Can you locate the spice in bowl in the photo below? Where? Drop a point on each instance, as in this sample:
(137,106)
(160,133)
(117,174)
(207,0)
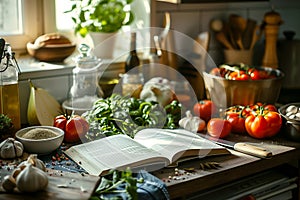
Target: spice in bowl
(39,133)
(40,139)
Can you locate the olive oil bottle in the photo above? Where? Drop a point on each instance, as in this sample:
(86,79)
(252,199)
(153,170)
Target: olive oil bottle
(9,88)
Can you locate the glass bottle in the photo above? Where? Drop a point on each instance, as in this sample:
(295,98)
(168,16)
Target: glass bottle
(9,87)
(133,79)
(85,89)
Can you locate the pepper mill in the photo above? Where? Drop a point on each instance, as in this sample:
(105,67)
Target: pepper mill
(272,21)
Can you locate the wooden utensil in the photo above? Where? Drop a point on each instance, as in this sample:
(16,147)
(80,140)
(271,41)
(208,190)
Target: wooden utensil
(257,33)
(248,34)
(220,36)
(238,25)
(238,22)
(229,33)
(221,30)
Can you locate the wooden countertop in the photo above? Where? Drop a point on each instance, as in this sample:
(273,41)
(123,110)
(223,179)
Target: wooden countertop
(233,167)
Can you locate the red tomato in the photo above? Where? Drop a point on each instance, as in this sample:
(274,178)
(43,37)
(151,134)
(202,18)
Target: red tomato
(240,76)
(256,107)
(219,128)
(201,126)
(264,124)
(60,123)
(204,109)
(74,127)
(254,74)
(270,107)
(237,122)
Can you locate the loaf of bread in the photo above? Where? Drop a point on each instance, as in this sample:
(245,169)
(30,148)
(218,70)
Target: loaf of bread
(51,39)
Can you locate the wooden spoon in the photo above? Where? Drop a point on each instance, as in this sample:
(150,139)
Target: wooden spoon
(238,22)
(238,25)
(249,32)
(220,36)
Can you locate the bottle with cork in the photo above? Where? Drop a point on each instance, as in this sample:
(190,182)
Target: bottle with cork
(133,79)
(9,87)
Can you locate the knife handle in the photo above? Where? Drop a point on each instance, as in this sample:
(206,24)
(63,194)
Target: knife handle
(252,150)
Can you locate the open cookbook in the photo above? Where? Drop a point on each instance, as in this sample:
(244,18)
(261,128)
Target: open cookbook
(150,149)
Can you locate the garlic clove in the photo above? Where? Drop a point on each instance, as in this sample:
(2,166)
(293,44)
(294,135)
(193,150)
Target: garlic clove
(33,160)
(36,162)
(8,183)
(18,148)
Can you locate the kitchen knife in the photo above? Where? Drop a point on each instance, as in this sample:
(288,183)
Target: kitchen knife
(241,147)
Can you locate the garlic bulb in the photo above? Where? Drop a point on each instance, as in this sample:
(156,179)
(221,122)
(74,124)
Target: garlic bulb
(11,148)
(32,159)
(158,89)
(192,123)
(31,179)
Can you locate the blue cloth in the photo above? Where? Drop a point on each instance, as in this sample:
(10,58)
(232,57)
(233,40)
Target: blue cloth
(151,188)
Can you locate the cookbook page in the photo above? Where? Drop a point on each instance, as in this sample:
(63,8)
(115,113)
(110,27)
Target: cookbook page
(177,143)
(113,152)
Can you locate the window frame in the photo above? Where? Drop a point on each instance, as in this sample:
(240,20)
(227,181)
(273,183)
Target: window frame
(32,24)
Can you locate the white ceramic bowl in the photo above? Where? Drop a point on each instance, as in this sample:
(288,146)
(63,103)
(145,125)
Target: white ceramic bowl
(41,146)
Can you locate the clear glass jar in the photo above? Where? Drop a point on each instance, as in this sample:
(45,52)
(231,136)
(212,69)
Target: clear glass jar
(85,89)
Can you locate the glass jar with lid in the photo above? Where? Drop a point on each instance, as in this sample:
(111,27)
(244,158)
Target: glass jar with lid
(85,89)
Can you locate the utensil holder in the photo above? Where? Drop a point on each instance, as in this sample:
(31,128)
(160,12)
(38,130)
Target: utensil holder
(238,56)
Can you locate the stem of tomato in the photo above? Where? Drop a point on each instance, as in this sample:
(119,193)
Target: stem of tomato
(261,110)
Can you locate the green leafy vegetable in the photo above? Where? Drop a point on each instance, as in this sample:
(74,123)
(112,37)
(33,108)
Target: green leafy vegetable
(128,115)
(5,123)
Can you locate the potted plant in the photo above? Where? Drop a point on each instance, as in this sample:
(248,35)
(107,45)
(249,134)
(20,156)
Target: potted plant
(100,17)
(6,127)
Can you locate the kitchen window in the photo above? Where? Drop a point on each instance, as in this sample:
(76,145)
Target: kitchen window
(20,21)
(24,20)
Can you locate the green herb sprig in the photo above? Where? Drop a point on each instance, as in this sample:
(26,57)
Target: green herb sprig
(110,185)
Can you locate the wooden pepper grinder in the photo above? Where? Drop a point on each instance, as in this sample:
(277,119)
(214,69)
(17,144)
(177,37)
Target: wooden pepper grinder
(272,21)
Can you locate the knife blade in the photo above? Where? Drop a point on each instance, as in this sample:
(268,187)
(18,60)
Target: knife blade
(241,147)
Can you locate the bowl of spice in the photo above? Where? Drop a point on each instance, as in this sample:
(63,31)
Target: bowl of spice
(40,139)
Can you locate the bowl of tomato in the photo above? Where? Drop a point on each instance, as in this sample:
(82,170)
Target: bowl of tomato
(230,85)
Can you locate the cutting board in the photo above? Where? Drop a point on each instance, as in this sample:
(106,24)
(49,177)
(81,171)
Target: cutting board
(62,185)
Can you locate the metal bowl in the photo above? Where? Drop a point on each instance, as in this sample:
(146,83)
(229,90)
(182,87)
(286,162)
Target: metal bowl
(291,127)
(225,93)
